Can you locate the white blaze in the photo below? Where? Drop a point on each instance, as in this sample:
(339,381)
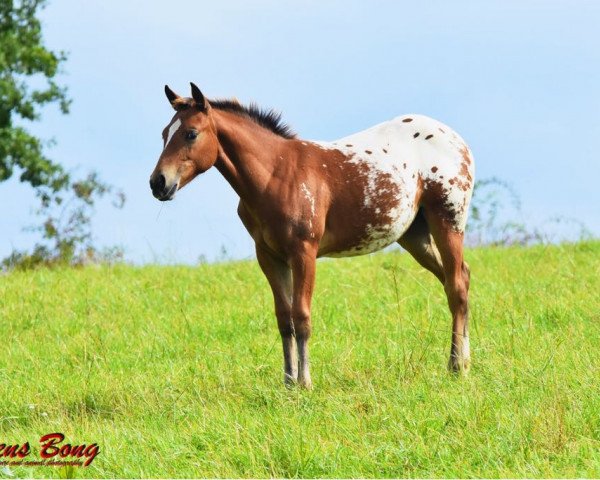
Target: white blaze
(172,129)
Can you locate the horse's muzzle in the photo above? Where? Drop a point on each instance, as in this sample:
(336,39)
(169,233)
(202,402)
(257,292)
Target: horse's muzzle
(160,189)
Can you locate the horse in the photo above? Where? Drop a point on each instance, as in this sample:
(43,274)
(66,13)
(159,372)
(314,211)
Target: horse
(408,180)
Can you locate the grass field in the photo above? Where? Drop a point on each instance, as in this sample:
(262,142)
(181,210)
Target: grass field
(176,371)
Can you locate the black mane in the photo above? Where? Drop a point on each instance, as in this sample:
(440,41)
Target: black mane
(265,117)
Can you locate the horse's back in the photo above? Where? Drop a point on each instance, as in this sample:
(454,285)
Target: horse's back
(426,157)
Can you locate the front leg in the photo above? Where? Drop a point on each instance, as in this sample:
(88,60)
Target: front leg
(279,275)
(303,264)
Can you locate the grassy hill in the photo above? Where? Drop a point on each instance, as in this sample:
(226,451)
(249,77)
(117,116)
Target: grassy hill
(176,371)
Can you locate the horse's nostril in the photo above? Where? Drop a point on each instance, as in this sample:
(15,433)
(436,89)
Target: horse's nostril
(157,184)
(161,182)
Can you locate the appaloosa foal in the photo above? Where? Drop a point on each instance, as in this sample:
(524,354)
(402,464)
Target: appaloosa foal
(408,180)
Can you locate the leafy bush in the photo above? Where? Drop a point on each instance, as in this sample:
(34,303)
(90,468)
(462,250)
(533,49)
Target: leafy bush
(66,227)
(496,219)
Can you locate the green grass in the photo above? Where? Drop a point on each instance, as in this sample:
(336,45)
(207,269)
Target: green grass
(176,371)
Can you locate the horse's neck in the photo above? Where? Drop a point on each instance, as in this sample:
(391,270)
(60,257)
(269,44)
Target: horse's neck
(247,154)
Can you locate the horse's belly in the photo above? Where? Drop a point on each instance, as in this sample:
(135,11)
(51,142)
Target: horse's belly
(375,239)
(375,206)
(370,229)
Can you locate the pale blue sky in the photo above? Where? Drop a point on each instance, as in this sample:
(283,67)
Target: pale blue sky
(520,81)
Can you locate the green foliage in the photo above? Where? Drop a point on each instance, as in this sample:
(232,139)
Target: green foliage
(177,371)
(25,60)
(495,218)
(66,204)
(66,228)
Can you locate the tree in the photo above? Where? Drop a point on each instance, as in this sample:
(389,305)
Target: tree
(23,57)
(66,204)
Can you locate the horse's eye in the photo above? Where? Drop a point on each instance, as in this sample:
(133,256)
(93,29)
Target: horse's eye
(191,135)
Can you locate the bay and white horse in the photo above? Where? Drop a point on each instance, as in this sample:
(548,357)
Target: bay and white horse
(408,180)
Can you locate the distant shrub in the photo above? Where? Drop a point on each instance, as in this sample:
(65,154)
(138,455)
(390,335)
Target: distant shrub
(66,228)
(496,219)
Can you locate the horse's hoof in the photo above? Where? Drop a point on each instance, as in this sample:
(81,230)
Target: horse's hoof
(289,381)
(459,366)
(305,383)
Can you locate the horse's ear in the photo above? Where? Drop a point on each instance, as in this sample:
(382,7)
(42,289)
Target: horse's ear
(198,97)
(171,95)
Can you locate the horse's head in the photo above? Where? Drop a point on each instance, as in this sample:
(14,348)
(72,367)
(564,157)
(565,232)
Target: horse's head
(190,144)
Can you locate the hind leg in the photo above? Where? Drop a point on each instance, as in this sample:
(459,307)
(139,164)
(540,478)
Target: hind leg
(417,241)
(456,284)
